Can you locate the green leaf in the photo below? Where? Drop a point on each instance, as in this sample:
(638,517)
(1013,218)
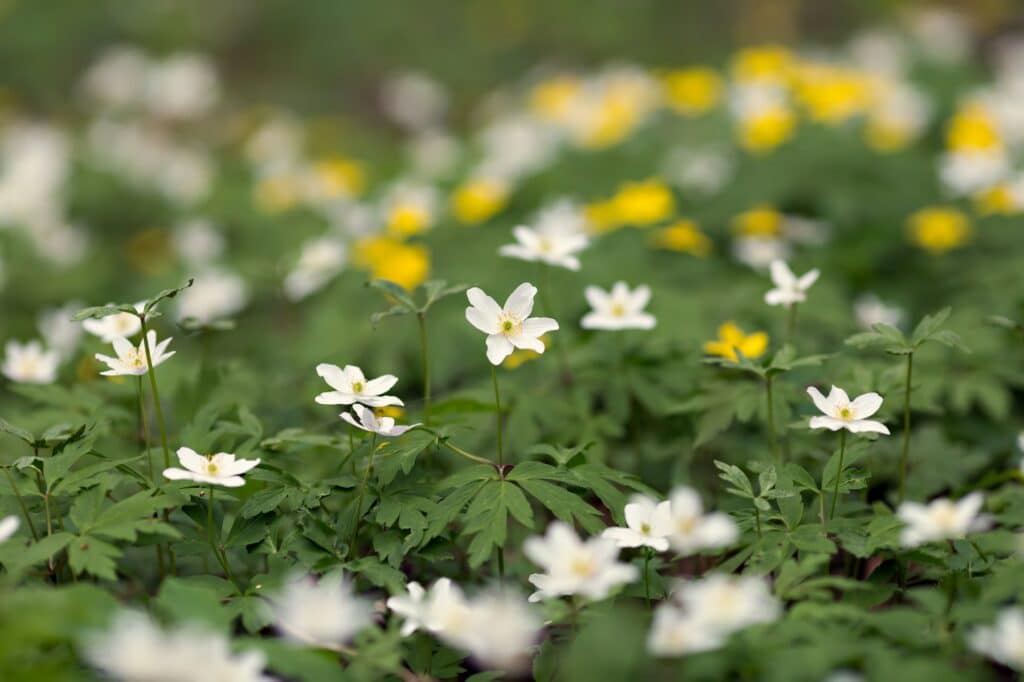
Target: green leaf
(7,427)
(734,476)
(88,554)
(394,291)
(166,293)
(565,505)
(928,326)
(436,289)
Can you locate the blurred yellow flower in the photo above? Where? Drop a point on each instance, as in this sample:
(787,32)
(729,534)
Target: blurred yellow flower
(602,216)
(474,201)
(973,129)
(997,200)
(763,63)
(832,94)
(643,203)
(521,355)
(405,220)
(761,221)
(884,135)
(939,229)
(393,411)
(683,236)
(407,265)
(277,193)
(692,91)
(339,177)
(731,338)
(552,99)
(615,118)
(766,129)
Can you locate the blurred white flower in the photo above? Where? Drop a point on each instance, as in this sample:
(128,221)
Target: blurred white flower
(968,171)
(214,295)
(412,606)
(320,261)
(409,207)
(880,51)
(8,527)
(277,142)
(182,86)
(500,631)
(1002,641)
(434,153)
(414,100)
(842,413)
(321,613)
(648,524)
(351,386)
(35,160)
(704,171)
(198,242)
(941,519)
(443,607)
(219,469)
(675,632)
(57,241)
(30,363)
(511,326)
(59,330)
(759,252)
(117,79)
(789,289)
(132,360)
(728,603)
(869,310)
(557,238)
(116,326)
(691,530)
(942,34)
(385,426)
(571,566)
(618,308)
(515,146)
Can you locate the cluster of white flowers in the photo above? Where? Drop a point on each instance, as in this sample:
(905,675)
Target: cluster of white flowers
(678,522)
(351,388)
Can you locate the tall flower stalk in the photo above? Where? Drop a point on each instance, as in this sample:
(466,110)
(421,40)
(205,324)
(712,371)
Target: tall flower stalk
(905,453)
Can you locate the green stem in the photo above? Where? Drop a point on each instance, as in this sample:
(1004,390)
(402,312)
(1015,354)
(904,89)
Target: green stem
(757,521)
(839,472)
(144,431)
(468,455)
(497,413)
(21,503)
(768,383)
(156,394)
(647,580)
(905,455)
(222,558)
(421,318)
(501,563)
(791,323)
(362,492)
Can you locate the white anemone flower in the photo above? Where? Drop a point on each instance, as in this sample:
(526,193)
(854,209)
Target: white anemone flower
(324,613)
(691,530)
(502,628)
(511,326)
(648,524)
(618,308)
(870,310)
(131,360)
(320,261)
(351,386)
(213,296)
(842,413)
(118,325)
(368,421)
(30,363)
(1003,641)
(412,606)
(559,235)
(789,289)
(675,632)
(219,469)
(8,527)
(589,568)
(728,603)
(59,330)
(941,519)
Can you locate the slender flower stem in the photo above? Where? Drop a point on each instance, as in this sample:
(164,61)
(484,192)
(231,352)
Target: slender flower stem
(791,323)
(362,492)
(421,318)
(468,455)
(144,431)
(156,394)
(757,521)
(21,503)
(839,472)
(771,419)
(501,563)
(497,413)
(647,580)
(222,558)
(904,456)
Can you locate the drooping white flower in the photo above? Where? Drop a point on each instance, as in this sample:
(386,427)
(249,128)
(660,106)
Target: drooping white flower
(59,330)
(619,308)
(30,363)
(320,261)
(321,613)
(214,295)
(116,326)
(135,649)
(869,310)
(8,527)
(511,326)
(385,426)
(501,629)
(941,519)
(648,524)
(1004,640)
(219,469)
(131,360)
(675,632)
(691,530)
(559,235)
(351,386)
(789,288)
(728,603)
(589,568)
(842,413)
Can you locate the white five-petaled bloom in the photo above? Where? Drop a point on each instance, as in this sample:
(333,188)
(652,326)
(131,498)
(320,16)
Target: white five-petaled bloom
(368,421)
(440,608)
(727,603)
(691,530)
(131,360)
(30,363)
(675,632)
(648,523)
(511,326)
(351,386)
(322,613)
(219,469)
(789,288)
(572,566)
(135,649)
(1003,641)
(118,325)
(618,308)
(8,527)
(941,519)
(842,413)
(559,235)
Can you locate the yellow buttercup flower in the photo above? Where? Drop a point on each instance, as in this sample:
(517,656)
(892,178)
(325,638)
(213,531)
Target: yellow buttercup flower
(939,229)
(339,177)
(997,200)
(475,201)
(766,129)
(692,91)
(553,98)
(973,129)
(683,236)
(731,338)
(614,119)
(405,220)
(760,221)
(643,203)
(832,94)
(763,63)
(149,251)
(407,265)
(602,216)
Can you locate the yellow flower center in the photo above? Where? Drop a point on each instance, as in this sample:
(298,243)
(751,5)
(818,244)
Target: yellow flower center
(510,325)
(645,528)
(686,525)
(845,413)
(583,567)
(211,468)
(357,387)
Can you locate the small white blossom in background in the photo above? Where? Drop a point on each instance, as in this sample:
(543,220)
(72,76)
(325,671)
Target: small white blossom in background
(511,326)
(558,236)
(515,146)
(648,524)
(321,613)
(691,530)
(942,519)
(181,86)
(131,360)
(351,386)
(385,426)
(441,607)
(414,100)
(135,649)
(8,527)
(869,310)
(219,469)
(700,170)
(759,252)
(500,631)
(572,566)
(675,632)
(117,78)
(942,35)
(116,326)
(842,413)
(198,243)
(320,261)
(213,296)
(1002,641)
(433,153)
(789,289)
(966,171)
(30,363)
(618,308)
(59,330)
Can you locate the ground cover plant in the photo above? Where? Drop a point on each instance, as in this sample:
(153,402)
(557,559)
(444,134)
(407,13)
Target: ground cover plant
(711,371)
